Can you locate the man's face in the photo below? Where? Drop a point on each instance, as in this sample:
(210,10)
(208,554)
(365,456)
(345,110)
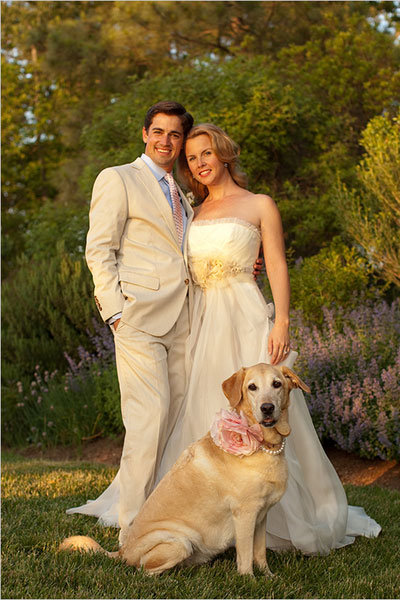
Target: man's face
(164,140)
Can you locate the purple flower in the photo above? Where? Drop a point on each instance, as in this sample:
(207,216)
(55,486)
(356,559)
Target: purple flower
(352,364)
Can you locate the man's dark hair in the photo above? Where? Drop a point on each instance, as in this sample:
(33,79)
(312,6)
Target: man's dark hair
(169,108)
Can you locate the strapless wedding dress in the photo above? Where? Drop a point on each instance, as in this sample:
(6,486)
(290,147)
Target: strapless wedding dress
(230,328)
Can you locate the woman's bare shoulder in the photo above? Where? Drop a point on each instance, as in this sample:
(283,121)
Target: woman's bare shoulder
(266,206)
(265,200)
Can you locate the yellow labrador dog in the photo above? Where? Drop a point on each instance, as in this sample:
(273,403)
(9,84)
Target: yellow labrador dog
(214,497)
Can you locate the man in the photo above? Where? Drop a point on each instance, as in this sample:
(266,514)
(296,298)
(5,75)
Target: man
(136,251)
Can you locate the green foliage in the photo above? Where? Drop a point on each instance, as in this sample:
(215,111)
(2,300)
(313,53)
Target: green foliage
(49,309)
(31,151)
(105,394)
(31,416)
(55,225)
(295,130)
(337,275)
(372,212)
(270,122)
(309,221)
(321,71)
(50,409)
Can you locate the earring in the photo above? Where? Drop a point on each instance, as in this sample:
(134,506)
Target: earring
(226,165)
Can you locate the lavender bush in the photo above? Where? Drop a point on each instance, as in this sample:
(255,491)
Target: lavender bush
(352,364)
(66,408)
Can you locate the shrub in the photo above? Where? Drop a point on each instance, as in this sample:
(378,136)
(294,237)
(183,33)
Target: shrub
(352,364)
(99,372)
(371,214)
(49,309)
(46,411)
(66,409)
(54,225)
(337,275)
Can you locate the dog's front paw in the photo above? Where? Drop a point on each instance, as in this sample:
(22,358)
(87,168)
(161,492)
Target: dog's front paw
(269,574)
(245,569)
(247,573)
(265,569)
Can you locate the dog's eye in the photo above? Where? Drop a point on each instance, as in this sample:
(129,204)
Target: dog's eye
(277,384)
(252,387)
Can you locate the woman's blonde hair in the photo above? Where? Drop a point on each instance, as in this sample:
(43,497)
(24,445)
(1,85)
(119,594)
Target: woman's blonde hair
(227,152)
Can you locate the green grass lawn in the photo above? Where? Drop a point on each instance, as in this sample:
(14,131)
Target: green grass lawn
(36,493)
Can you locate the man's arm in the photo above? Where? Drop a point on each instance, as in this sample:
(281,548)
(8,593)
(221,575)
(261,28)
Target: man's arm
(107,219)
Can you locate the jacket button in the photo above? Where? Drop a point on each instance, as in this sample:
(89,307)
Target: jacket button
(187,281)
(97,303)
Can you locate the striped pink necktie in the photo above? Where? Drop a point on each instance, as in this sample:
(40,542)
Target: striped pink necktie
(176,206)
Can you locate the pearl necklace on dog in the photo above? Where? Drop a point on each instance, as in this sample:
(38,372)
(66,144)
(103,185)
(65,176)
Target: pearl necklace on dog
(274,452)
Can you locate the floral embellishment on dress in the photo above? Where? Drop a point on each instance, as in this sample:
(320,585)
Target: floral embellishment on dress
(208,271)
(231,432)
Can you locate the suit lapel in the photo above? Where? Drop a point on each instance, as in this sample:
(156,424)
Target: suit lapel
(189,214)
(158,195)
(155,191)
(186,204)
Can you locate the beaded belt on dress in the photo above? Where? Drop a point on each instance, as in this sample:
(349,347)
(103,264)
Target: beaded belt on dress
(213,271)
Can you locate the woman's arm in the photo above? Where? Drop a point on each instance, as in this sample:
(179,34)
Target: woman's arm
(278,275)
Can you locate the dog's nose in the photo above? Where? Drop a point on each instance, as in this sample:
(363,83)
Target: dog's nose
(267,409)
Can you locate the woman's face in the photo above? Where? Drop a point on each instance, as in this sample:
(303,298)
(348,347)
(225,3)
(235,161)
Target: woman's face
(204,164)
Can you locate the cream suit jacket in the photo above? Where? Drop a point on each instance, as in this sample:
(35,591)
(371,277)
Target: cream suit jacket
(133,251)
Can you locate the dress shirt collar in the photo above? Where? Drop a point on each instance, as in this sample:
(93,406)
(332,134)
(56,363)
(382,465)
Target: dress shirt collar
(157,171)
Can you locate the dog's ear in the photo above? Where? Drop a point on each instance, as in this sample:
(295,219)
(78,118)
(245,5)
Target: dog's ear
(282,425)
(294,380)
(232,387)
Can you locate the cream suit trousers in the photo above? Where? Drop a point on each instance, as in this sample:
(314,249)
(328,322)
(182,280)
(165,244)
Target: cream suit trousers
(152,379)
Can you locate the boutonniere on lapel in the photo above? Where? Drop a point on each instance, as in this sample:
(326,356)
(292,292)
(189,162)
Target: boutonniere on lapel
(190,198)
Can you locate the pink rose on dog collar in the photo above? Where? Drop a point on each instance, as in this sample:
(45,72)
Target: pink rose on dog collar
(231,433)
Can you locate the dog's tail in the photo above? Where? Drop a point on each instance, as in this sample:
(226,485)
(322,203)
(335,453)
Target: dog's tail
(82,543)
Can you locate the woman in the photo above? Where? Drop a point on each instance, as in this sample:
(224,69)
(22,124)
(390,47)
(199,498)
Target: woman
(233,327)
